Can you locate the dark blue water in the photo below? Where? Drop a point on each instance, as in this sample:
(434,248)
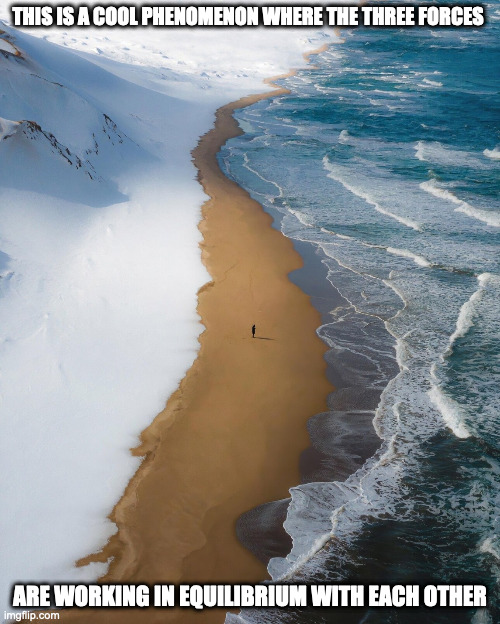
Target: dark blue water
(386,159)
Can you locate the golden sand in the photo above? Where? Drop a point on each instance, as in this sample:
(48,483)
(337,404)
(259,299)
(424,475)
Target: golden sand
(230,437)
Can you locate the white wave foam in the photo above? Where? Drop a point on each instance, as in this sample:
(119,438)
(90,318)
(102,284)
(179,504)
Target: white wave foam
(467,312)
(247,166)
(481,616)
(344,136)
(432,83)
(453,415)
(404,253)
(309,521)
(303,218)
(431,187)
(490,218)
(419,148)
(489,279)
(491,546)
(494,153)
(436,152)
(481,215)
(368,199)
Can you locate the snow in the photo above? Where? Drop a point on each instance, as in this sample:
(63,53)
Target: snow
(7,128)
(100,261)
(5,46)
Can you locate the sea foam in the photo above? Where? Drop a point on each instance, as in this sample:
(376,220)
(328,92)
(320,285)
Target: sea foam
(334,175)
(467,312)
(494,153)
(490,218)
(453,415)
(404,253)
(436,152)
(431,83)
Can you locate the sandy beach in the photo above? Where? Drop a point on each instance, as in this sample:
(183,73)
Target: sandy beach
(230,437)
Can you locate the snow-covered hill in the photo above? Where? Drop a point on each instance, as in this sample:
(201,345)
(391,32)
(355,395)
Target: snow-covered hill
(45,165)
(99,263)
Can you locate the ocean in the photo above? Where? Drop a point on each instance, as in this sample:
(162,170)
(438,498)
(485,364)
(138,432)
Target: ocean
(383,162)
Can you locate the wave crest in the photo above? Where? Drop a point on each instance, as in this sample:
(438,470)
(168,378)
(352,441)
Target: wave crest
(494,153)
(490,218)
(334,175)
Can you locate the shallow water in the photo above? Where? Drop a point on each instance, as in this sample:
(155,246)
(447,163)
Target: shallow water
(385,158)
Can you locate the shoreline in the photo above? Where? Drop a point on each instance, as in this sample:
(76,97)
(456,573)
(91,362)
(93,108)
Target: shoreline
(231,436)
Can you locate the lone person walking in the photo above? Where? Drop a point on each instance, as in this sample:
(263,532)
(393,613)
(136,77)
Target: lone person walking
(253,331)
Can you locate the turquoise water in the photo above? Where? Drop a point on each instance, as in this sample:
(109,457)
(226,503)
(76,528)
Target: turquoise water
(386,159)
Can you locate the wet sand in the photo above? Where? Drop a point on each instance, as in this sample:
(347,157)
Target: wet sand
(230,438)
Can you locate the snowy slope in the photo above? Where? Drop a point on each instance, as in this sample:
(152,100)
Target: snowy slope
(99,262)
(46,166)
(88,325)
